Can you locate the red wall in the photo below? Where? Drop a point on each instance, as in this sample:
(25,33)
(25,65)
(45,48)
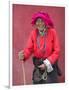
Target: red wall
(22,27)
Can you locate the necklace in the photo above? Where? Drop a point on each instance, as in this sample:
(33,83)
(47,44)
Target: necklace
(38,41)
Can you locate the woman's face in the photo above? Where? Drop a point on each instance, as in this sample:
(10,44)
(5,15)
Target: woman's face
(40,24)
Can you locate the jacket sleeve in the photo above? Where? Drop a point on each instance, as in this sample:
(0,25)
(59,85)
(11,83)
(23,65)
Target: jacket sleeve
(29,49)
(56,49)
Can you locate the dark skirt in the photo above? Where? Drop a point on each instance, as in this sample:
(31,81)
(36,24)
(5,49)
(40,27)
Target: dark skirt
(51,78)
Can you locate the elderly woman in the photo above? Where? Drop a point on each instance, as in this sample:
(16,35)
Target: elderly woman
(43,43)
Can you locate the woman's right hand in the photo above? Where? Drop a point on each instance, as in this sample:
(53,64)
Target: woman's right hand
(21,55)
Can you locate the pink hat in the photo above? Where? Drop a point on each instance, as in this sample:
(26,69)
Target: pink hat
(43,16)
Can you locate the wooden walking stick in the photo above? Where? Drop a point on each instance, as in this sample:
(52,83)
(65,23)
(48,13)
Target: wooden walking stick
(23,71)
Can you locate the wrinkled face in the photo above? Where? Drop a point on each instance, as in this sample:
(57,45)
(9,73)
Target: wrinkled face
(40,24)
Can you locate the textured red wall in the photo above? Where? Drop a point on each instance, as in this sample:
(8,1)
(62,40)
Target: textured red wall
(22,27)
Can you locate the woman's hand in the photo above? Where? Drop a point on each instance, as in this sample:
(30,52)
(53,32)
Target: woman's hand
(42,66)
(21,55)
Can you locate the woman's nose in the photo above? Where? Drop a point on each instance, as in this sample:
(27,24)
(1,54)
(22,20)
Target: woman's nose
(40,23)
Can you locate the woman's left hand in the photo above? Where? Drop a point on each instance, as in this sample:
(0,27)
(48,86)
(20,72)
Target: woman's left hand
(42,66)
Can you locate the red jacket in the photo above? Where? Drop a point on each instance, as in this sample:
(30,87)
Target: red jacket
(51,52)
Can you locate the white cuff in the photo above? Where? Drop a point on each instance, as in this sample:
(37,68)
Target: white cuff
(48,65)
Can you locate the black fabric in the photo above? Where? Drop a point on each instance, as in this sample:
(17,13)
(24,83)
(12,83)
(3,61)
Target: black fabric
(51,77)
(37,62)
(38,74)
(59,73)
